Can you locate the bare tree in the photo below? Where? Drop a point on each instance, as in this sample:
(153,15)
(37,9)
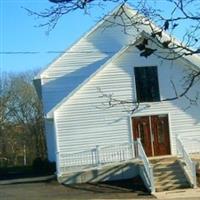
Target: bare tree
(181,14)
(21,118)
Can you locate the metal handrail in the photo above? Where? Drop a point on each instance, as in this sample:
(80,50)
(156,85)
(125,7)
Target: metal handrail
(190,165)
(147,166)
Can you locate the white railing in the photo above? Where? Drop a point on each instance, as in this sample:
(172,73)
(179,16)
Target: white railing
(146,170)
(98,156)
(116,153)
(189,164)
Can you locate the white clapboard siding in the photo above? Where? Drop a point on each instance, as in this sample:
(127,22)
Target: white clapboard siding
(79,62)
(87,121)
(82,123)
(69,70)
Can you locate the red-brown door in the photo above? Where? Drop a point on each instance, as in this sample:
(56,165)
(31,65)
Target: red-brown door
(154,134)
(141,129)
(160,132)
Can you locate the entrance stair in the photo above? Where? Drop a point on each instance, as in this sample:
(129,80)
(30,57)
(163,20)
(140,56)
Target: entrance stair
(168,174)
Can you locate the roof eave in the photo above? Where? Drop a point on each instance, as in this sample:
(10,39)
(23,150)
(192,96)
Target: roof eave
(185,58)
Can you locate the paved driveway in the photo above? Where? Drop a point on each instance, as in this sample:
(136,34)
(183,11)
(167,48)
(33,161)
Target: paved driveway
(117,190)
(54,191)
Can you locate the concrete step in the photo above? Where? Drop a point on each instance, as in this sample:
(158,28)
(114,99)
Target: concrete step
(172,187)
(162,181)
(155,162)
(164,162)
(168,173)
(165,159)
(171,182)
(163,168)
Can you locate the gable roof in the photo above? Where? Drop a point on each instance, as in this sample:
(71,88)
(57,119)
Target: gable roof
(113,58)
(85,35)
(193,60)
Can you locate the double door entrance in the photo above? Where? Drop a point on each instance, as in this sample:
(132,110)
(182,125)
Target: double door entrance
(154,134)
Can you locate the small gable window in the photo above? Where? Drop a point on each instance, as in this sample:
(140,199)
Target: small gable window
(147,88)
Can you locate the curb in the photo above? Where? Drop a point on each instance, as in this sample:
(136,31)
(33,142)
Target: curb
(179,194)
(28,180)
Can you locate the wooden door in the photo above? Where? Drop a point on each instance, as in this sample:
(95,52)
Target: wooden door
(154,134)
(160,133)
(141,129)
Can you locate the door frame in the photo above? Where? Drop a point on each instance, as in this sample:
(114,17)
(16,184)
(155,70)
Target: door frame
(152,114)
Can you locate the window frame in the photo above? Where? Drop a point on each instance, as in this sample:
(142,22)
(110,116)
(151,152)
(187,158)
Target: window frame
(158,85)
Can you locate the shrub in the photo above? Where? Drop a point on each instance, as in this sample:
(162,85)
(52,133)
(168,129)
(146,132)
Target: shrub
(43,166)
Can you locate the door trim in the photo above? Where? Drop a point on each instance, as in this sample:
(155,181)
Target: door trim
(151,135)
(152,114)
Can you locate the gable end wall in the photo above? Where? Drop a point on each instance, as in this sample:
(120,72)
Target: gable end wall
(82,123)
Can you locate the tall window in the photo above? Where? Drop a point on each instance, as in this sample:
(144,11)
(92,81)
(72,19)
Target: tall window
(147,87)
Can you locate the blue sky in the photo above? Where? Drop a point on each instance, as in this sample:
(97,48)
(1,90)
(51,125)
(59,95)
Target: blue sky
(19,34)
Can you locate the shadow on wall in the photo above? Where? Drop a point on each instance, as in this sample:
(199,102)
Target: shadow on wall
(64,85)
(102,42)
(109,173)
